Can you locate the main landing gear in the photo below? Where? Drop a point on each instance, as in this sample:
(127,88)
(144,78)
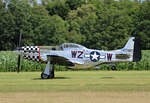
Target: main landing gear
(49,71)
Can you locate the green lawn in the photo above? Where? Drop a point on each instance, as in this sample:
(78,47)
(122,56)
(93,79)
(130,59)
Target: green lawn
(76,87)
(76,81)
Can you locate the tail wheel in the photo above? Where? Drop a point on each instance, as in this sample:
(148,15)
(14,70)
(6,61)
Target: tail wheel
(113,68)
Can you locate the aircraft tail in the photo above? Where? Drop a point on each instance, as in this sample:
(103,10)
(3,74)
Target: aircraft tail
(133,45)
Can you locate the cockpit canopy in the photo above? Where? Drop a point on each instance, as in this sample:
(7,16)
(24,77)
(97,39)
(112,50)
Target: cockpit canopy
(70,45)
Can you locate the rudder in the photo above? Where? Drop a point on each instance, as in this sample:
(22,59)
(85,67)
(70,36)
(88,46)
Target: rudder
(137,55)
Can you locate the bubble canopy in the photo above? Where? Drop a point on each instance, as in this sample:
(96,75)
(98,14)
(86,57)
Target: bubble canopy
(70,45)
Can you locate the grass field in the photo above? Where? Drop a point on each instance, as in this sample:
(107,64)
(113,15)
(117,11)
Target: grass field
(76,87)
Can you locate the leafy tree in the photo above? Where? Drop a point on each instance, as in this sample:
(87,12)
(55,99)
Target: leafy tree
(39,13)
(21,14)
(74,4)
(115,27)
(100,24)
(57,8)
(82,21)
(7,33)
(141,20)
(51,31)
(143,31)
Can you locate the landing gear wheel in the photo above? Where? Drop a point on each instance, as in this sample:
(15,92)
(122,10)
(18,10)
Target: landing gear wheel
(113,68)
(45,76)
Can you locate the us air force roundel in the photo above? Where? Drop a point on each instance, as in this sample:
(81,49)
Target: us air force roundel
(94,56)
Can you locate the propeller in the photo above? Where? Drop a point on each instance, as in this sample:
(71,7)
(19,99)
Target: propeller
(19,55)
(19,62)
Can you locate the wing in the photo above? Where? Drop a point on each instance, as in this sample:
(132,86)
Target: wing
(60,60)
(59,57)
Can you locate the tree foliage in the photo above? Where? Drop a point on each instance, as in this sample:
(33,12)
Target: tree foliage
(98,24)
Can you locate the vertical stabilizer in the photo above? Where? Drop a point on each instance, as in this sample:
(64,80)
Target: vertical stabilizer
(133,45)
(130,44)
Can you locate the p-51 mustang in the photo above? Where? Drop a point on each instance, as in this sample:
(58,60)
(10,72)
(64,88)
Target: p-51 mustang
(76,56)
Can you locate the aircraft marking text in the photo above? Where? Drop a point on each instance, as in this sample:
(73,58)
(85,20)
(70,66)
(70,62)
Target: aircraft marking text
(77,54)
(109,57)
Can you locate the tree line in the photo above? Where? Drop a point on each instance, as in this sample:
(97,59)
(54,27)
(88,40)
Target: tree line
(98,24)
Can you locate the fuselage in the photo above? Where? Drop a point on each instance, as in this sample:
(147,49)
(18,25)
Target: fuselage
(80,56)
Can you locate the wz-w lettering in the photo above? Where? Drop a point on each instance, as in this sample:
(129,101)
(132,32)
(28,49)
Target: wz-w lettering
(109,57)
(77,54)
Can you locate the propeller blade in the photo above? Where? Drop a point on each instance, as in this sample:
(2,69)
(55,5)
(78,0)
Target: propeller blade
(19,62)
(20,40)
(19,56)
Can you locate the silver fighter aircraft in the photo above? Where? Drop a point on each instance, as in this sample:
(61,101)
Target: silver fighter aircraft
(76,56)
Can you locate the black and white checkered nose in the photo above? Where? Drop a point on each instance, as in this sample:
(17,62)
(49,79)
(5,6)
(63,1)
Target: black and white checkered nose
(30,49)
(31,52)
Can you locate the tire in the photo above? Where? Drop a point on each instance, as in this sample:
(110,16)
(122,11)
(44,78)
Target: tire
(113,68)
(44,76)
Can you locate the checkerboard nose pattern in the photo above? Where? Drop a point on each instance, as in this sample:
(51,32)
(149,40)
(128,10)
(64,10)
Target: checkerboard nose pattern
(31,52)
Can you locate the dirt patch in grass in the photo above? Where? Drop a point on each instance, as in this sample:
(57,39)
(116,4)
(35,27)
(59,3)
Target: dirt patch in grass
(75,97)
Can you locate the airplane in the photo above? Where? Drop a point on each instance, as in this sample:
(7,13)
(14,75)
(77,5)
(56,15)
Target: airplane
(75,56)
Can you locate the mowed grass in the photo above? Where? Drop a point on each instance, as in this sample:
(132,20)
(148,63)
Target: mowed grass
(76,81)
(76,87)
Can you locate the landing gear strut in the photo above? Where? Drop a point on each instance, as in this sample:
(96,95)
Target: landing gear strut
(51,74)
(49,71)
